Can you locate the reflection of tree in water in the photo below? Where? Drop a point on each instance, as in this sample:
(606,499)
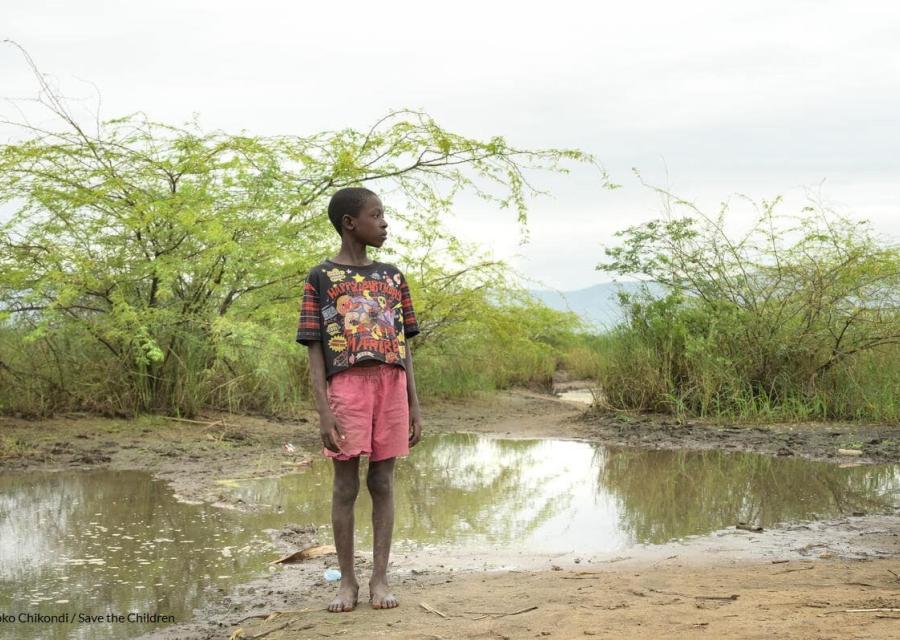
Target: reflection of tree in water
(130,523)
(668,494)
(477,487)
(452,488)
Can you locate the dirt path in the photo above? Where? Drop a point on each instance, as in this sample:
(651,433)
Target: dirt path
(676,601)
(723,587)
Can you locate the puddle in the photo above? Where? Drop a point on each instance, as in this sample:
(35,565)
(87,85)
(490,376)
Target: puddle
(546,496)
(104,541)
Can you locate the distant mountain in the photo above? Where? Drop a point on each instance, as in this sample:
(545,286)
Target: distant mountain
(598,305)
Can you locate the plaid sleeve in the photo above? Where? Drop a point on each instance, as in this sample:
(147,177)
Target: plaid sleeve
(410,326)
(308,328)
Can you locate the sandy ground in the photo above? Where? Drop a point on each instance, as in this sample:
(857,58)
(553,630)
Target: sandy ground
(800,582)
(728,600)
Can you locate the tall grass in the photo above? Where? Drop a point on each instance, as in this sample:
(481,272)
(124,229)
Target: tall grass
(581,355)
(694,376)
(798,318)
(260,369)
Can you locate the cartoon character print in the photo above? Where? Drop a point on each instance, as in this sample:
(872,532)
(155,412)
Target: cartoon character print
(366,315)
(362,312)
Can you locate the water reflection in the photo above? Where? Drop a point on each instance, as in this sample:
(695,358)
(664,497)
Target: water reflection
(113,542)
(661,495)
(555,495)
(104,541)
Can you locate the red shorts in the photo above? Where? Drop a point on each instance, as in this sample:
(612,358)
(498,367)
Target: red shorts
(372,407)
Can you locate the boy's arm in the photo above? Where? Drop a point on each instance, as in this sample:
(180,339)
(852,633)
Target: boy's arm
(329,429)
(415,420)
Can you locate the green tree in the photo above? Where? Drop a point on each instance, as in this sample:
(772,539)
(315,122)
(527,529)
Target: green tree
(790,315)
(154,267)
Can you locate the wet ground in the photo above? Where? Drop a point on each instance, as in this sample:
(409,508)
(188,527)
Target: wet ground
(506,522)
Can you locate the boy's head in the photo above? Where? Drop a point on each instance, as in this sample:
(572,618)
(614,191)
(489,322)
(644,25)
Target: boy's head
(358,211)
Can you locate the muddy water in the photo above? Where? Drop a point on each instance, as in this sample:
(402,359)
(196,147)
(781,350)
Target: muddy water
(107,542)
(118,542)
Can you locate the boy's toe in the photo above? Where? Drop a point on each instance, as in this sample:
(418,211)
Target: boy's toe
(339,605)
(389,602)
(345,600)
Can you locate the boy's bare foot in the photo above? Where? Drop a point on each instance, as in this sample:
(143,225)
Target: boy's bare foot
(346,598)
(381,597)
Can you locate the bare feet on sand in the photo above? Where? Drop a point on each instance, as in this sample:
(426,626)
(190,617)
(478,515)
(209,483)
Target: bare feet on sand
(381,597)
(346,598)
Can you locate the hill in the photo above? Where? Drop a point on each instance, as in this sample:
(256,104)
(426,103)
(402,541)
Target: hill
(597,305)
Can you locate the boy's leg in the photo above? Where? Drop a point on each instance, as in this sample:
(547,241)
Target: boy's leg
(380,481)
(343,498)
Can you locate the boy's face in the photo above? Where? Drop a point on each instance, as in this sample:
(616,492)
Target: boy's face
(369,226)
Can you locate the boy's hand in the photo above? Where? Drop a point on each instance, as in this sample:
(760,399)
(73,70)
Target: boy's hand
(415,427)
(331,432)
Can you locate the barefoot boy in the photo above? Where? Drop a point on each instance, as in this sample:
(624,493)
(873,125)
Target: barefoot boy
(356,317)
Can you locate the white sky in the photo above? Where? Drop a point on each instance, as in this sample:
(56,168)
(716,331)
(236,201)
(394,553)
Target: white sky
(703,97)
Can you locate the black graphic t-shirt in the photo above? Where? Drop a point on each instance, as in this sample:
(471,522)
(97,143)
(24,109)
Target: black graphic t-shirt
(358,313)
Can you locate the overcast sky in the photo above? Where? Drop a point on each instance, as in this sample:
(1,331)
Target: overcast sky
(706,98)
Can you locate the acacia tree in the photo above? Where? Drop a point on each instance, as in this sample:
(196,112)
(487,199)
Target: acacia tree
(766,314)
(141,257)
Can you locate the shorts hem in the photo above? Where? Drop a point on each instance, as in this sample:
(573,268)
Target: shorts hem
(343,456)
(396,455)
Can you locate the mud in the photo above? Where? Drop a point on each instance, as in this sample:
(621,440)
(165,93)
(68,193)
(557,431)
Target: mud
(792,582)
(798,582)
(194,456)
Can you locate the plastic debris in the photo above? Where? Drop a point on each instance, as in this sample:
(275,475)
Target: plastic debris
(332,575)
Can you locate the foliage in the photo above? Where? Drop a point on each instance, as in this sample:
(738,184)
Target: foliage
(154,267)
(788,320)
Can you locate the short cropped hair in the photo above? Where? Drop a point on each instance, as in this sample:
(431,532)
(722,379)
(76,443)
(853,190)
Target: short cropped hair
(347,202)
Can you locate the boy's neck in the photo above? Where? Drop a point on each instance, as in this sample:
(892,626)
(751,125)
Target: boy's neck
(352,253)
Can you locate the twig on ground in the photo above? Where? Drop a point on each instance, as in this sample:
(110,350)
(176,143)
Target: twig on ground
(270,615)
(797,569)
(258,615)
(500,614)
(733,596)
(431,609)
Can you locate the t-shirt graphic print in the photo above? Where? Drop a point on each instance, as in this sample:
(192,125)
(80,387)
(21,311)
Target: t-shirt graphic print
(358,313)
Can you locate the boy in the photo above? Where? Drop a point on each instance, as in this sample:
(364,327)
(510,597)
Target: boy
(355,318)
